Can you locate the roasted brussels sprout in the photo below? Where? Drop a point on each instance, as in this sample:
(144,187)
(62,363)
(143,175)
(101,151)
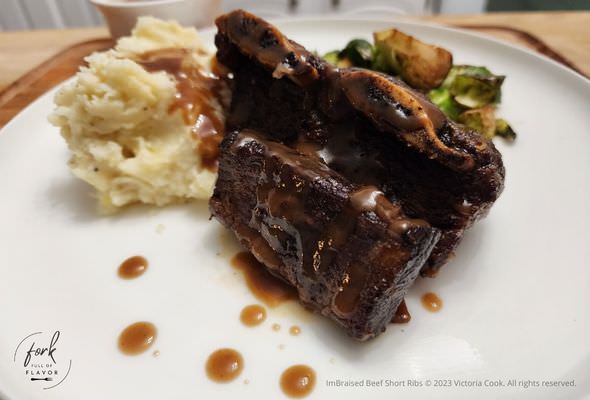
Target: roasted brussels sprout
(421,65)
(380,63)
(332,57)
(468,95)
(359,52)
(473,87)
(471,70)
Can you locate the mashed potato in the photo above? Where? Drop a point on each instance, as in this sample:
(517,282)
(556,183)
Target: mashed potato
(115,117)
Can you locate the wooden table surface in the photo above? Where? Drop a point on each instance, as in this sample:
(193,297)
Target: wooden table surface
(566,32)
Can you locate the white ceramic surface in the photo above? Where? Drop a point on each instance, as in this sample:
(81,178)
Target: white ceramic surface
(516,297)
(121,15)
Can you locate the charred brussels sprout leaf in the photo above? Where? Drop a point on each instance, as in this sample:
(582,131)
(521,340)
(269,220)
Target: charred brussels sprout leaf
(469,95)
(475,92)
(504,130)
(443,100)
(482,120)
(469,70)
(473,87)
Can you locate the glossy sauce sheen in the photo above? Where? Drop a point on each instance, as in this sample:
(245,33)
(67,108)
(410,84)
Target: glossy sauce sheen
(137,338)
(265,287)
(402,315)
(298,381)
(365,199)
(253,315)
(294,330)
(431,302)
(132,267)
(280,217)
(400,108)
(224,365)
(195,92)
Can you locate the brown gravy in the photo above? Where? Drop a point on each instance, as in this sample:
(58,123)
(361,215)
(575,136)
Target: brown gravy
(132,267)
(195,92)
(298,381)
(282,221)
(137,338)
(402,315)
(224,365)
(294,330)
(265,287)
(431,302)
(253,315)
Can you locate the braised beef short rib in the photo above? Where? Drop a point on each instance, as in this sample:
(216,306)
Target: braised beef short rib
(347,249)
(357,129)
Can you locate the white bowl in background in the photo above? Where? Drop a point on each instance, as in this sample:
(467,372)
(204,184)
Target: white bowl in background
(121,15)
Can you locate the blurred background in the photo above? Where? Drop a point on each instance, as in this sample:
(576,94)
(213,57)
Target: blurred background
(48,14)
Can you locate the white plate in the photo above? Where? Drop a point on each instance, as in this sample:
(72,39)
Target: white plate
(516,297)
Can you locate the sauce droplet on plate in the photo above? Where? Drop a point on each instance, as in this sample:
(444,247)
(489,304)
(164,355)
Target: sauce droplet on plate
(402,315)
(294,330)
(137,338)
(253,315)
(224,365)
(265,287)
(132,267)
(298,381)
(431,302)
(276,327)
